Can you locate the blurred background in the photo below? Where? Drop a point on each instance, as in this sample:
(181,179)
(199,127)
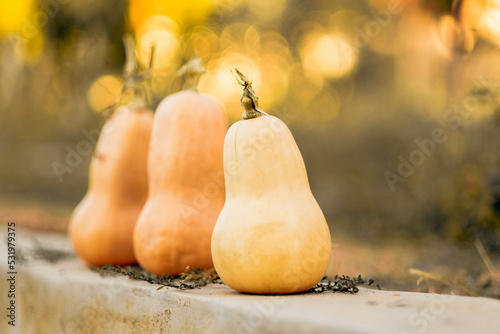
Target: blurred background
(394,104)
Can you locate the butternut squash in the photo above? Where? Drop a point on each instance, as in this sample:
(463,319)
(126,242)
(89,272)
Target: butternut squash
(186,182)
(271,236)
(101,226)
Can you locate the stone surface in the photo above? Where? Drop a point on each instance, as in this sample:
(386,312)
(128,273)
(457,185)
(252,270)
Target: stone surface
(65,297)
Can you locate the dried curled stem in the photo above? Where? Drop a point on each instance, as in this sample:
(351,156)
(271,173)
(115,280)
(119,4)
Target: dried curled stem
(131,73)
(249,99)
(132,77)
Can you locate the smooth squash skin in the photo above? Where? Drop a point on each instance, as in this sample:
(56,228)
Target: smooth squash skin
(101,227)
(186,184)
(271,236)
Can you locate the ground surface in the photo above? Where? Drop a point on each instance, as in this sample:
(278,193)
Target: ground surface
(438,266)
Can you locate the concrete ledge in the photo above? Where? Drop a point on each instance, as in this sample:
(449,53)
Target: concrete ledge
(66,297)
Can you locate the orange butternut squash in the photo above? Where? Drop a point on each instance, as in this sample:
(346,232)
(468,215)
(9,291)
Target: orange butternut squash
(186,182)
(102,224)
(271,236)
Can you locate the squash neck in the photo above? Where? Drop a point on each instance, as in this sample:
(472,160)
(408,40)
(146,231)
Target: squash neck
(138,102)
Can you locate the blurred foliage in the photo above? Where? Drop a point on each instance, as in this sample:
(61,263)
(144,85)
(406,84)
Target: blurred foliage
(357,82)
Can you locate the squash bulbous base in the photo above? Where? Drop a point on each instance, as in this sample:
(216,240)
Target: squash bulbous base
(166,241)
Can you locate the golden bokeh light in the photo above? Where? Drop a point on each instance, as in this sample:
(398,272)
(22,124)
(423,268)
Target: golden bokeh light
(162,32)
(267,10)
(221,83)
(204,42)
(273,42)
(489,22)
(231,36)
(274,61)
(104,91)
(330,55)
(471,11)
(157,22)
(251,39)
(302,87)
(24,25)
(312,101)
(377,31)
(263,57)
(275,79)
(14,16)
(184,13)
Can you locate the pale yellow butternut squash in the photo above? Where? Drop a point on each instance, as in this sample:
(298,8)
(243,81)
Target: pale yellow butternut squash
(271,236)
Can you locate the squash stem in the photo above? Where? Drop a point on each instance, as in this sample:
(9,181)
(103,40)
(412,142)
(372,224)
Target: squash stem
(192,72)
(130,59)
(133,79)
(191,82)
(248,100)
